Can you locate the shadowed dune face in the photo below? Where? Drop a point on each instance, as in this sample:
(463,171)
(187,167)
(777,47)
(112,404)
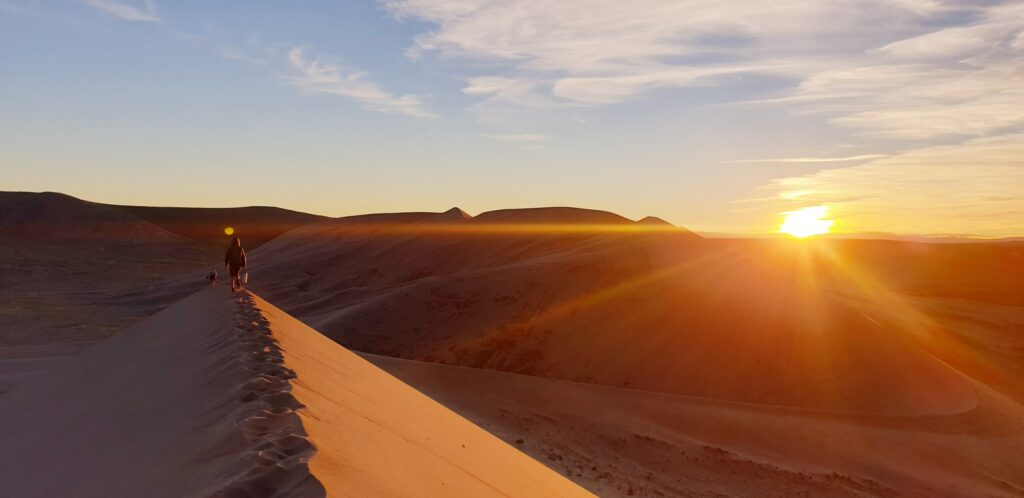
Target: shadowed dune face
(823,325)
(224,395)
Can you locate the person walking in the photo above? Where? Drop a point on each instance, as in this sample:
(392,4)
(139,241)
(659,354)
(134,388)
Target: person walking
(234,260)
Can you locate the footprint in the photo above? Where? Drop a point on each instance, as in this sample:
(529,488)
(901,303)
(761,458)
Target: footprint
(266,415)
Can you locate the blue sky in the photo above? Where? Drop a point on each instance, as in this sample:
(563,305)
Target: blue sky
(897,115)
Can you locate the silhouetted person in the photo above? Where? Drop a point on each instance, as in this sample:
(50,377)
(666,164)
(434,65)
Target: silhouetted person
(234,259)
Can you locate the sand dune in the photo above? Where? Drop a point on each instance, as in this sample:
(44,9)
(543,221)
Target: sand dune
(659,362)
(225,395)
(625,442)
(828,326)
(52,216)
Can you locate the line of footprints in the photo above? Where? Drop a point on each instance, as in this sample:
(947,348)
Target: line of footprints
(268,415)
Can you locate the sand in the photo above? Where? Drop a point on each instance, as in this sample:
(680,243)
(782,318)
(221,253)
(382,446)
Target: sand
(626,442)
(831,326)
(658,363)
(224,395)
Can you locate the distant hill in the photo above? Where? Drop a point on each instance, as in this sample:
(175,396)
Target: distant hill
(51,216)
(653,220)
(255,225)
(551,215)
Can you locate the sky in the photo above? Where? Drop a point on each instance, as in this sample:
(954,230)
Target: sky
(901,116)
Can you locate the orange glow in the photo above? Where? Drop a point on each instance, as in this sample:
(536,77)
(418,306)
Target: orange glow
(353,228)
(806,222)
(229,231)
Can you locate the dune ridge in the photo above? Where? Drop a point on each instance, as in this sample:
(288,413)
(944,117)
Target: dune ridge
(225,395)
(271,423)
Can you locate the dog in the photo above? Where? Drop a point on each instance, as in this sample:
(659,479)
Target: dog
(212,277)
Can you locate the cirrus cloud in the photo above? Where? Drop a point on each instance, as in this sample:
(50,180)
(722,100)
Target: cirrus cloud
(125,11)
(809,160)
(317,76)
(902,69)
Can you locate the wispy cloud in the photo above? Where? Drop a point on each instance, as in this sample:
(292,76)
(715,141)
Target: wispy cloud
(508,102)
(319,77)
(229,46)
(809,160)
(968,188)
(902,69)
(146,12)
(517,137)
(654,42)
(956,81)
(235,53)
(312,75)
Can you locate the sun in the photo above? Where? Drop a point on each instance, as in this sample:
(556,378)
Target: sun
(229,231)
(806,222)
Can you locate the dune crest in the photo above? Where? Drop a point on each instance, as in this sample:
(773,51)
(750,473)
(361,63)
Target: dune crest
(552,215)
(225,395)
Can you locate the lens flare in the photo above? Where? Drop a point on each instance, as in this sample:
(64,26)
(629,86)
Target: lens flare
(806,222)
(229,231)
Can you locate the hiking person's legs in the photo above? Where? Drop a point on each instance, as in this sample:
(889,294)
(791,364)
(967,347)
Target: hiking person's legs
(236,283)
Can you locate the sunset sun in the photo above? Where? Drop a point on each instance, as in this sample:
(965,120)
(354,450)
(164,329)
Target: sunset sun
(806,222)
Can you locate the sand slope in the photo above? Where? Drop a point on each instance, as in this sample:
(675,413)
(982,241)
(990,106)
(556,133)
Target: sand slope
(596,298)
(225,395)
(626,442)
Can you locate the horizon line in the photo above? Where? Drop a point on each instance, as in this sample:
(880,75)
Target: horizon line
(714,234)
